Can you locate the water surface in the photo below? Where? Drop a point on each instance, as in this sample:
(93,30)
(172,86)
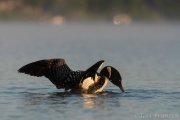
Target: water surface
(147,55)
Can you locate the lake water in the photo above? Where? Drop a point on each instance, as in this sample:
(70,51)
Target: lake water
(147,56)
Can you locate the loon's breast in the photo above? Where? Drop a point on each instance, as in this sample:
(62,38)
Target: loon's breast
(92,85)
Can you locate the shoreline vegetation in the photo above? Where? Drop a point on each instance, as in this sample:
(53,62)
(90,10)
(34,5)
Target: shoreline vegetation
(118,11)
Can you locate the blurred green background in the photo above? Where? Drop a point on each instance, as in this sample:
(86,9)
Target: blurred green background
(153,10)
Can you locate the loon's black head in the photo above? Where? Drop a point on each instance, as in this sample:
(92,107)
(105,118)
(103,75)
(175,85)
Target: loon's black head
(113,75)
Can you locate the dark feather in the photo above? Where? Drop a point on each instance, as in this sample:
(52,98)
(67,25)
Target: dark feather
(90,72)
(42,67)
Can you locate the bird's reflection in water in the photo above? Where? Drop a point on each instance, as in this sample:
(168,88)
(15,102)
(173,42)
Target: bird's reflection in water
(69,100)
(91,101)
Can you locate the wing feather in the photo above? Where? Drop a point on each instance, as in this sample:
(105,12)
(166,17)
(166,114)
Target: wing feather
(42,67)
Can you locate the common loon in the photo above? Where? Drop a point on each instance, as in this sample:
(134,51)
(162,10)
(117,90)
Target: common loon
(88,81)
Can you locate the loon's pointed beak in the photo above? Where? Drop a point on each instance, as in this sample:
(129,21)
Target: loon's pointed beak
(121,87)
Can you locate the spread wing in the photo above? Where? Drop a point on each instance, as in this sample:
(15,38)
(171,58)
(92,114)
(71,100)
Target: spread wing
(90,72)
(54,69)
